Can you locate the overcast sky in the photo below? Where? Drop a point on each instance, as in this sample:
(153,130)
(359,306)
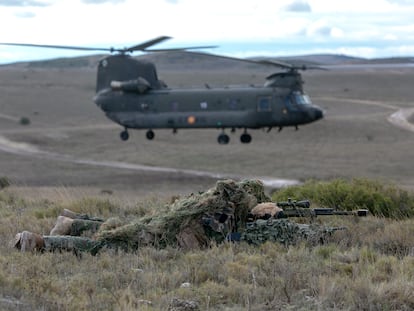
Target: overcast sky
(366,28)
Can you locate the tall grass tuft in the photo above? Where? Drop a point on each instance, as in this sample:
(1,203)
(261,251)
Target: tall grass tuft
(380,198)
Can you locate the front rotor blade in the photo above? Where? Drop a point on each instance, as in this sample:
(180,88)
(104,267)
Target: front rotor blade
(290,66)
(225,57)
(260,62)
(276,63)
(316,68)
(65,47)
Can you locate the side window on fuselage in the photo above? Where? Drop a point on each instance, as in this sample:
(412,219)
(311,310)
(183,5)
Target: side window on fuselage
(146,105)
(264,103)
(233,103)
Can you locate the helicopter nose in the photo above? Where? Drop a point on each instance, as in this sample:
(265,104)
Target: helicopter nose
(318,113)
(315,113)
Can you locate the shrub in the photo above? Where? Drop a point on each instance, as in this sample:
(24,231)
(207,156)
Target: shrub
(24,121)
(4,182)
(380,198)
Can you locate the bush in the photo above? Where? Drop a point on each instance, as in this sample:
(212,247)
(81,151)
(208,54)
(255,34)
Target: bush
(24,121)
(381,199)
(4,182)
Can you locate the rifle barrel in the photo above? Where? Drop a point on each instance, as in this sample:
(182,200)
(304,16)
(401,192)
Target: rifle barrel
(312,212)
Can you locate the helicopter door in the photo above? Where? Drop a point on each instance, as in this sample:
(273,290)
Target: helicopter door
(264,104)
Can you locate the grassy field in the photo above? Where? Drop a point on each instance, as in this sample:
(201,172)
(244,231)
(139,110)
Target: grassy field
(368,267)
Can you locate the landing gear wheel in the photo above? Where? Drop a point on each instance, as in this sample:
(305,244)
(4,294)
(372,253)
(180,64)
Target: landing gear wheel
(124,135)
(223,139)
(150,135)
(245,138)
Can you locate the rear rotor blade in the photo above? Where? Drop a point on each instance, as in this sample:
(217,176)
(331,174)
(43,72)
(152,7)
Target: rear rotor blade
(144,45)
(65,47)
(138,47)
(182,49)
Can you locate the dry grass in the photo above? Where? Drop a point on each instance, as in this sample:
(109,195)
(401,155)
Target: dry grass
(370,266)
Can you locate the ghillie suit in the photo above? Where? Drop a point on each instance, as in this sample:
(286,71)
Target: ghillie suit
(286,232)
(27,241)
(229,211)
(194,221)
(75,227)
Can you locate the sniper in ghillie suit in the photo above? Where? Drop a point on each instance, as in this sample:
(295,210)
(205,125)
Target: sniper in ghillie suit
(230,211)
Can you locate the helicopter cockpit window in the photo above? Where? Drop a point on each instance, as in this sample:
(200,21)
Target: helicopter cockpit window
(301,99)
(264,104)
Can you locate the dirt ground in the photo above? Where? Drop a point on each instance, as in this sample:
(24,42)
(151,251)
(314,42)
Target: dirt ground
(69,144)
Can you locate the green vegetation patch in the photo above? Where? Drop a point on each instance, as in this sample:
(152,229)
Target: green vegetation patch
(4,182)
(380,198)
(24,121)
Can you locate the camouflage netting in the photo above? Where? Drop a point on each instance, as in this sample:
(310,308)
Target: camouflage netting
(194,220)
(80,226)
(285,231)
(72,243)
(223,212)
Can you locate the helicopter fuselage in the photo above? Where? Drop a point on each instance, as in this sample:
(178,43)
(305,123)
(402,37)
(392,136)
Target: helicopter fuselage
(244,107)
(129,92)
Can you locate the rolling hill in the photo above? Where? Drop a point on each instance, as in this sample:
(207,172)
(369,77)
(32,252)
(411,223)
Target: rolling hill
(188,60)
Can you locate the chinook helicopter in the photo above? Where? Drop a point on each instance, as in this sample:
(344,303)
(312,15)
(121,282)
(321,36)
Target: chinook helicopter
(129,92)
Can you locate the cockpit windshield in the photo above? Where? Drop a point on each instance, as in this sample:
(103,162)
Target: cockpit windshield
(301,99)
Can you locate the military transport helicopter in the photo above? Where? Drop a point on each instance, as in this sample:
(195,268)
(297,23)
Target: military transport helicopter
(129,92)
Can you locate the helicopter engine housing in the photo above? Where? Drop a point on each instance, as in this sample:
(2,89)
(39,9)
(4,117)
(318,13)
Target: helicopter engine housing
(139,85)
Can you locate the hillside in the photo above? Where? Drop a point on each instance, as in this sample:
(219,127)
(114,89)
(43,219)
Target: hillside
(190,61)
